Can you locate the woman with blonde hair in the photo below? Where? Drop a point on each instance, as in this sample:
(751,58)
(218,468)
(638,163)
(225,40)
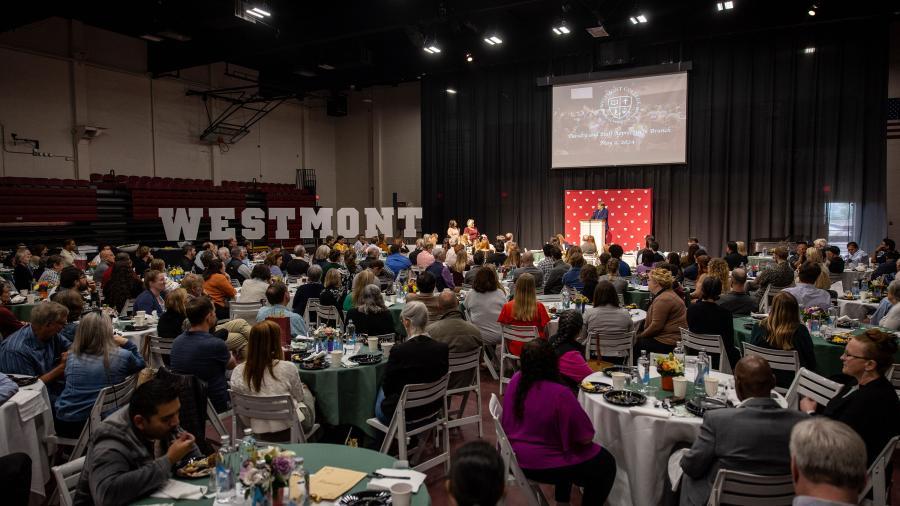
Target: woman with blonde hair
(452,230)
(321,256)
(782,330)
(97,359)
(171,323)
(360,281)
(665,316)
(266,373)
(741,248)
(193,285)
(524,310)
(814,255)
(717,268)
(471,231)
(458,269)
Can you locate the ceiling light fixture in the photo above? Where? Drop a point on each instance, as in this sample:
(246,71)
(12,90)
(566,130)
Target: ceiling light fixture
(260,11)
(809,50)
(451,91)
(325,66)
(812,10)
(493,40)
(151,37)
(639,19)
(432,49)
(255,14)
(561,29)
(469,57)
(724,6)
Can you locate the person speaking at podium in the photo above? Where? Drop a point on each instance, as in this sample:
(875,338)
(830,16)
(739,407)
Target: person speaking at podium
(601,213)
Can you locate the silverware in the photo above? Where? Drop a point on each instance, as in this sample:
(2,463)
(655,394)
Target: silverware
(375,474)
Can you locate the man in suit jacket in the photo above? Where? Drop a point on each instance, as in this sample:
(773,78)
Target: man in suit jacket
(751,438)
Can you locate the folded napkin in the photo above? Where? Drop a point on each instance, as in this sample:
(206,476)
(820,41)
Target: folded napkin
(346,362)
(648,411)
(674,467)
(30,403)
(315,356)
(846,319)
(178,490)
(415,479)
(759,315)
(17,299)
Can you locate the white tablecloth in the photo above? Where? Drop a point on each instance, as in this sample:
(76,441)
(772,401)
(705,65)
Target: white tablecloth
(641,444)
(855,308)
(17,436)
(637,317)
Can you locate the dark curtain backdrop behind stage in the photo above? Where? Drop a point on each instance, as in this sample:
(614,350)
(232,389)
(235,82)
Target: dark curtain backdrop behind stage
(774,133)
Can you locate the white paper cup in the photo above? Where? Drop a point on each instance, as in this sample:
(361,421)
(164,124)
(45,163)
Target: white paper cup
(386,348)
(373,344)
(401,494)
(712,386)
(23,293)
(680,384)
(30,298)
(336,357)
(142,314)
(139,319)
(618,380)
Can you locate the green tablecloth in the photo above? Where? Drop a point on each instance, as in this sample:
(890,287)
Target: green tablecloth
(22,311)
(317,456)
(346,396)
(395,310)
(828,356)
(639,297)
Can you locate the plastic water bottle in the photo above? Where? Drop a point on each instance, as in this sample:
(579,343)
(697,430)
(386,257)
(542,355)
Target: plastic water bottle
(299,484)
(350,339)
(224,474)
(564,294)
(702,369)
(644,364)
(679,351)
(248,446)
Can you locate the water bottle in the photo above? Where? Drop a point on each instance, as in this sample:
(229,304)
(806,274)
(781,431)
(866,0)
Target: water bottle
(225,493)
(248,446)
(564,295)
(702,367)
(679,351)
(350,339)
(644,363)
(299,484)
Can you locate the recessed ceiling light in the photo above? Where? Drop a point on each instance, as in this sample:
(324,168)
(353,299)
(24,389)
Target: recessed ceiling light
(809,50)
(432,49)
(451,91)
(724,6)
(561,29)
(497,40)
(254,13)
(642,18)
(469,57)
(812,10)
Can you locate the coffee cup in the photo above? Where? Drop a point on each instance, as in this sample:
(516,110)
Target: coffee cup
(141,313)
(386,348)
(680,386)
(139,319)
(373,344)
(401,494)
(23,293)
(30,298)
(336,357)
(712,386)
(618,380)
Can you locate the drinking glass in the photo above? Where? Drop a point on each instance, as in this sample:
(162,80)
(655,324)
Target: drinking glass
(690,368)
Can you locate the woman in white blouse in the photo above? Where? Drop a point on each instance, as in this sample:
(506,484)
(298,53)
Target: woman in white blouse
(254,288)
(484,303)
(266,373)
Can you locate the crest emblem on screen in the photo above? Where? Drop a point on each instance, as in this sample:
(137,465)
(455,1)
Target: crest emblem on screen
(620,104)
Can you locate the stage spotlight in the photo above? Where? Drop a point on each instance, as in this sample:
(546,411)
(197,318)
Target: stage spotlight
(493,40)
(724,6)
(561,29)
(812,10)
(451,91)
(469,57)
(432,49)
(639,19)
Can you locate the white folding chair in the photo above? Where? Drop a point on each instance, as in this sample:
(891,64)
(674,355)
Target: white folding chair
(745,489)
(782,360)
(273,407)
(766,300)
(327,314)
(513,333)
(533,494)
(128,307)
(244,310)
(215,419)
(312,306)
(462,363)
(235,283)
(708,343)
(487,361)
(610,345)
(159,347)
(403,426)
(810,384)
(386,338)
(66,477)
(877,479)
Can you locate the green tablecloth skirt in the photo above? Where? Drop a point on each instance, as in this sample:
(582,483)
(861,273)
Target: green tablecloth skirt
(346,396)
(317,456)
(22,311)
(828,356)
(639,297)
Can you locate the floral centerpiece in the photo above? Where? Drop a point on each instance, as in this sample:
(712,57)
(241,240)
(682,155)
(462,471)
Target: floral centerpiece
(579,300)
(42,288)
(411,286)
(668,366)
(266,479)
(814,313)
(176,273)
(877,286)
(643,278)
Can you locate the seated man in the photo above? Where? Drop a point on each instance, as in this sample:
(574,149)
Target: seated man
(396,261)
(461,336)
(477,263)
(738,301)
(73,278)
(383,275)
(805,292)
(828,463)
(310,290)
(278,296)
(39,349)
(752,438)
(202,354)
(426,283)
(553,281)
(528,267)
(442,276)
(121,466)
(780,274)
(834,260)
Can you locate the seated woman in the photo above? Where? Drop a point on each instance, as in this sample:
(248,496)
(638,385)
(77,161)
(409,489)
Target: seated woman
(589,279)
(717,268)
(483,304)
(607,317)
(254,288)
(265,373)
(193,285)
(171,323)
(218,288)
(365,278)
(418,359)
(273,262)
(612,275)
(572,367)
(477,476)
(97,359)
(123,285)
(9,323)
(868,403)
(588,245)
(151,299)
(572,277)
(550,433)
(75,304)
(648,258)
(333,294)
(371,316)
(665,316)
(782,330)
(891,319)
(707,317)
(524,310)
(458,267)
(674,260)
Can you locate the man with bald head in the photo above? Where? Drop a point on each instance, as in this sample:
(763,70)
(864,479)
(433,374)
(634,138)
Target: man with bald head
(461,336)
(529,267)
(752,438)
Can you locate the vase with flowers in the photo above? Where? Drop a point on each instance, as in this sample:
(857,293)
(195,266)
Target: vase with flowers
(669,366)
(266,479)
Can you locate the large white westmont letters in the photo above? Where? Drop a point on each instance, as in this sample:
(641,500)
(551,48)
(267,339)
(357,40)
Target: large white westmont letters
(218,224)
(382,221)
(378,220)
(310,219)
(181,222)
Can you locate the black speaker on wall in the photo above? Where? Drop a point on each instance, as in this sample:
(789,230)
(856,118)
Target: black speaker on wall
(336,105)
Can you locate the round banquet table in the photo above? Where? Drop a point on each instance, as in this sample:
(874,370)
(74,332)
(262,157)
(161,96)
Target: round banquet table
(26,422)
(315,457)
(637,319)
(828,356)
(22,311)
(638,296)
(856,308)
(640,440)
(346,396)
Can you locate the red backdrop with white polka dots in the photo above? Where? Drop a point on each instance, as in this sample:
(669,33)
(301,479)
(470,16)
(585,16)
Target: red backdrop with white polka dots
(630,214)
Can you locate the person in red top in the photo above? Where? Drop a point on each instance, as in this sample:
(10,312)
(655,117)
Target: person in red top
(524,310)
(471,231)
(8,321)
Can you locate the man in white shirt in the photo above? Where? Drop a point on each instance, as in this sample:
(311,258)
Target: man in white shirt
(805,292)
(854,254)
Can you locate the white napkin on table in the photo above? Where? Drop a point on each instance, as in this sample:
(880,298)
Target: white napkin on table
(415,479)
(648,411)
(346,362)
(174,489)
(17,299)
(30,403)
(846,319)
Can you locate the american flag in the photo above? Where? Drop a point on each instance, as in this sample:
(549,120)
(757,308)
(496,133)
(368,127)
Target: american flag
(893,118)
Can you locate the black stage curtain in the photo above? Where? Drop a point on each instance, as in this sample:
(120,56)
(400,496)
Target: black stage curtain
(773,135)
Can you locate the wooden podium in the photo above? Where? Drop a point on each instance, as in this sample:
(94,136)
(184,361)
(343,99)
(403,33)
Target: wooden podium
(596,228)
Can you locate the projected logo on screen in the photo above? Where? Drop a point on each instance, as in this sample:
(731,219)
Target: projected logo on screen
(620,104)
